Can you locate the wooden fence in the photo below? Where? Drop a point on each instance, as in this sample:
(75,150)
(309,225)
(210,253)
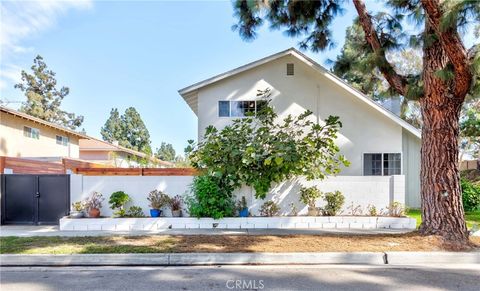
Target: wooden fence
(29,166)
(137,171)
(470,165)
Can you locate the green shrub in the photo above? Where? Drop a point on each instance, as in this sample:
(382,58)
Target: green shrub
(135,211)
(470,195)
(117,201)
(210,198)
(309,196)
(335,201)
(269,208)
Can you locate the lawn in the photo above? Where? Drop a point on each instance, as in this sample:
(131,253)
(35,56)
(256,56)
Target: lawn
(224,243)
(472,217)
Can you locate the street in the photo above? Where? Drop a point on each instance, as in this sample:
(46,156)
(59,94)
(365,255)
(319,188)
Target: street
(319,277)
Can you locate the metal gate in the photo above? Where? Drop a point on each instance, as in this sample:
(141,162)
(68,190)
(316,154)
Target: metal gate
(34,199)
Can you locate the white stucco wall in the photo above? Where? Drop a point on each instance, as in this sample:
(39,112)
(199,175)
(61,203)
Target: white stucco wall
(361,191)
(364,128)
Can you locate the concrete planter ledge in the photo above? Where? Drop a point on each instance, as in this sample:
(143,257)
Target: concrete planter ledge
(294,222)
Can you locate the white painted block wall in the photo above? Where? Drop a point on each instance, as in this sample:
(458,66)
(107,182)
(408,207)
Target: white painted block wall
(358,190)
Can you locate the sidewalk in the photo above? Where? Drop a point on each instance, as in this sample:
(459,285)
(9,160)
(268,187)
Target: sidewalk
(34,230)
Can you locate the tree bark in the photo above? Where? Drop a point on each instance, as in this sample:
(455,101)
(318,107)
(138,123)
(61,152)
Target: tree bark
(442,209)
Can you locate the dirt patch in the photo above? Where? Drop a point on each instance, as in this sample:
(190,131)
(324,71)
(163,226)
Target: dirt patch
(224,243)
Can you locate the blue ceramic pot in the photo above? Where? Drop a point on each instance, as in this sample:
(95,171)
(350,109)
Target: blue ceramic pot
(243,212)
(155,212)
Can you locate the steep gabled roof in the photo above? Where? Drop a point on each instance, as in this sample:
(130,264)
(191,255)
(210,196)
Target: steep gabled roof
(190,93)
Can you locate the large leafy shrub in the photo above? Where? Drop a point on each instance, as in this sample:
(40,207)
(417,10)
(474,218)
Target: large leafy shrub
(210,198)
(260,150)
(470,195)
(117,202)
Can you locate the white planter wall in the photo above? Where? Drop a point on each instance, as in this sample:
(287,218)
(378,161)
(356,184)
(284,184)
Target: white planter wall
(379,191)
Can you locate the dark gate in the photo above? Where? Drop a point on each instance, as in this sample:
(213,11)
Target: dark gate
(35,199)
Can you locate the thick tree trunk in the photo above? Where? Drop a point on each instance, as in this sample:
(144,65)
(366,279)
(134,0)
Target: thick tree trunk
(442,209)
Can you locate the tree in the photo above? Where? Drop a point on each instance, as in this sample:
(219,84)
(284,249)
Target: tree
(43,97)
(136,133)
(128,129)
(112,130)
(261,150)
(449,73)
(166,152)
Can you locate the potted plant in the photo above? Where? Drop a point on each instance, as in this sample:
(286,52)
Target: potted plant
(93,204)
(157,200)
(77,210)
(176,206)
(309,196)
(242,207)
(117,201)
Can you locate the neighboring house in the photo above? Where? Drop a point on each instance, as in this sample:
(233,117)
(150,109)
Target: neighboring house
(25,136)
(98,151)
(22,135)
(373,139)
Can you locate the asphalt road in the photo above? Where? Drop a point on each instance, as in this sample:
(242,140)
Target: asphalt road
(324,277)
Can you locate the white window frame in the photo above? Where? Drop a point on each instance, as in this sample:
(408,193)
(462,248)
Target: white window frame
(382,153)
(230,108)
(64,138)
(32,130)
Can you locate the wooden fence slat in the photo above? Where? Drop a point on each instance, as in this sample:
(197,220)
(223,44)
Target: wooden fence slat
(137,171)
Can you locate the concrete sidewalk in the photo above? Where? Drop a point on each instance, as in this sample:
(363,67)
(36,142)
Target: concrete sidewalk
(31,230)
(193,259)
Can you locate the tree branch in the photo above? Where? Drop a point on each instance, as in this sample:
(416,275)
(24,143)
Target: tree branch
(453,46)
(396,81)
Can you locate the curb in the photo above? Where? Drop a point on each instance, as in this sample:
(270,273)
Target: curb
(198,259)
(193,259)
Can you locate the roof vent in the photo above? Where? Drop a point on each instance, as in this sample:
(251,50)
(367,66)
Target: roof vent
(290,70)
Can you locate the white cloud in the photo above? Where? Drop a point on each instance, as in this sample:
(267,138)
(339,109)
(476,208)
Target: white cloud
(20,20)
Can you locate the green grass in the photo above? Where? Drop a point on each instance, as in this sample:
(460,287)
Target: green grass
(472,217)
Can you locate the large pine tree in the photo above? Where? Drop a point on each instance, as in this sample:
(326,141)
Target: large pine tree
(449,73)
(43,97)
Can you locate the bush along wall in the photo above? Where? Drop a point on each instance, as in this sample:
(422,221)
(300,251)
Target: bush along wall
(258,151)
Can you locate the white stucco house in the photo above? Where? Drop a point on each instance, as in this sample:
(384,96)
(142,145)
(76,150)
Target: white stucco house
(376,141)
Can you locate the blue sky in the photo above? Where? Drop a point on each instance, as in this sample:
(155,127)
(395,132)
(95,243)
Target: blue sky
(121,54)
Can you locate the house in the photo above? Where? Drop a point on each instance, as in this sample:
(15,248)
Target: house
(376,141)
(25,136)
(98,151)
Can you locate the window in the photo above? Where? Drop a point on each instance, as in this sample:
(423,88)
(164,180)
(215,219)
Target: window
(62,140)
(239,108)
(31,132)
(379,164)
(290,70)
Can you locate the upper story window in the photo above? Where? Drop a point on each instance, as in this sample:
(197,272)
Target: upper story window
(62,140)
(239,108)
(31,132)
(378,164)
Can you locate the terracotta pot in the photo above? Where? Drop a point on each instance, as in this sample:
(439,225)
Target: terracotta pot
(312,211)
(94,213)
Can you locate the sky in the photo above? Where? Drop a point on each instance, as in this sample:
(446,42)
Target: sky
(131,53)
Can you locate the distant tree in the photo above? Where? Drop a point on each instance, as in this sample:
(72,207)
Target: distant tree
(43,97)
(136,133)
(113,130)
(166,152)
(128,129)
